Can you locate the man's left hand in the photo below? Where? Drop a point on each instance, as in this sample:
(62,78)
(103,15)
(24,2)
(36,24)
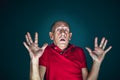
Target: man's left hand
(99,51)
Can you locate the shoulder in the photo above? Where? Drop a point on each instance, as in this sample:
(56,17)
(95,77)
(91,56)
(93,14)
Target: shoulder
(48,47)
(77,48)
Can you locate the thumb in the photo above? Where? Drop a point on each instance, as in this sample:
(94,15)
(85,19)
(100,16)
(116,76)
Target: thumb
(89,50)
(91,54)
(44,46)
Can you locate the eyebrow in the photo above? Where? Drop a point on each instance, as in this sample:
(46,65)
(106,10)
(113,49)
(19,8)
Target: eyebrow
(67,27)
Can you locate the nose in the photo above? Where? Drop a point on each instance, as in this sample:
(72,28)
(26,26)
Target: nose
(62,32)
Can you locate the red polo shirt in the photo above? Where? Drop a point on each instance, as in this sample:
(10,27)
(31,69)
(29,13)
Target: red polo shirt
(63,65)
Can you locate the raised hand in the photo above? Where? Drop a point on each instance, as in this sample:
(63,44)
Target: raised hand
(34,50)
(99,51)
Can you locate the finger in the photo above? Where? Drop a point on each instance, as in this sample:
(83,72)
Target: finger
(29,37)
(104,45)
(28,48)
(28,42)
(102,41)
(96,42)
(108,49)
(36,38)
(89,50)
(26,45)
(44,46)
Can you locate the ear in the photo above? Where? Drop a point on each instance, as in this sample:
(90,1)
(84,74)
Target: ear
(51,35)
(70,36)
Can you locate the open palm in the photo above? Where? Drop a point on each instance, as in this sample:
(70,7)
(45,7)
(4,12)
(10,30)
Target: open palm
(99,52)
(34,50)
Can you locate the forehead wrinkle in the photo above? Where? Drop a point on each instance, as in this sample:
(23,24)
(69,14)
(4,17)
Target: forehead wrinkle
(62,27)
(60,24)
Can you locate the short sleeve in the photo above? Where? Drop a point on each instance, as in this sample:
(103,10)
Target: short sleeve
(43,59)
(83,59)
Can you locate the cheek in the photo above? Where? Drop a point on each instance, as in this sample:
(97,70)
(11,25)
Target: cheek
(56,36)
(68,36)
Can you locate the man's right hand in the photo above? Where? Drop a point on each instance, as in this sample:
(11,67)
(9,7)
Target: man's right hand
(34,50)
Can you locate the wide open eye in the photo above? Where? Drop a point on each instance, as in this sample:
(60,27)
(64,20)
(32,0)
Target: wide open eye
(58,29)
(66,30)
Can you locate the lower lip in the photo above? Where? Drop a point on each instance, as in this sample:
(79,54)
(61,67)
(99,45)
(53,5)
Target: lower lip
(62,41)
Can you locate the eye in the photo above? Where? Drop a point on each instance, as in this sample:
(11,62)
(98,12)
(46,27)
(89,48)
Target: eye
(66,30)
(58,30)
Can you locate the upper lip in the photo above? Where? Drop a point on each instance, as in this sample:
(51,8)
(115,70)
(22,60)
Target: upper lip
(62,39)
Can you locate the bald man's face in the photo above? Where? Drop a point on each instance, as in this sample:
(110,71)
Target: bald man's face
(61,34)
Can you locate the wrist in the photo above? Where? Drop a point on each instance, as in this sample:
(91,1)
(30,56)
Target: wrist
(34,61)
(96,63)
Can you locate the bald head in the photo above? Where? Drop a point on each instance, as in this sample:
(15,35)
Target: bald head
(59,23)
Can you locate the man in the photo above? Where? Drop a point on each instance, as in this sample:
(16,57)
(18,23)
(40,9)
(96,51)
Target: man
(62,60)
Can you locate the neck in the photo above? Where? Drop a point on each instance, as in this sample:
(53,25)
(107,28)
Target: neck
(62,47)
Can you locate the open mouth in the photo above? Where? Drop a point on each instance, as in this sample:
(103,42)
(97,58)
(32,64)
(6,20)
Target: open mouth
(62,39)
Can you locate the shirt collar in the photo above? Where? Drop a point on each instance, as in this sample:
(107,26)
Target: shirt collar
(56,48)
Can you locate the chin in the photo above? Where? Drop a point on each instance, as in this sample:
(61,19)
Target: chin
(63,45)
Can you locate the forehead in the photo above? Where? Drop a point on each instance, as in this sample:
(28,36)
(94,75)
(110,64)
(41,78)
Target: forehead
(60,24)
